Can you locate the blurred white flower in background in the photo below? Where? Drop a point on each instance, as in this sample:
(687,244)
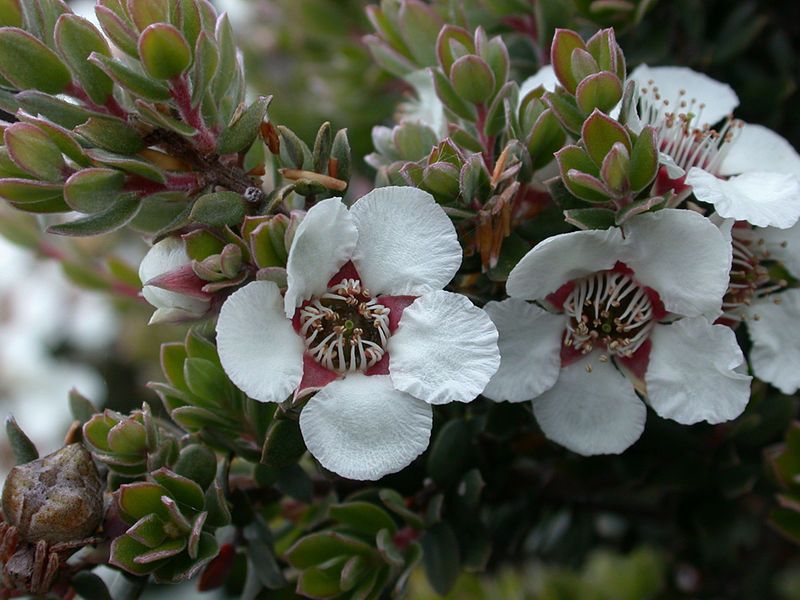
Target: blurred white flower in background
(40,310)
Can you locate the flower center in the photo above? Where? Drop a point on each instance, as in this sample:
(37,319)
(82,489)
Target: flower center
(750,275)
(681,133)
(608,309)
(345,329)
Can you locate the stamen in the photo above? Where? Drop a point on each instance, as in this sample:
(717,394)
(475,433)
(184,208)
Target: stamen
(750,277)
(610,310)
(353,327)
(682,134)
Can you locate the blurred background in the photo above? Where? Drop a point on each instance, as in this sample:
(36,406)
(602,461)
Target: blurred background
(64,326)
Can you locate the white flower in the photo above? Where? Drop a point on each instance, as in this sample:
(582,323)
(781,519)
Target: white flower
(165,257)
(639,301)
(762,300)
(747,172)
(364,321)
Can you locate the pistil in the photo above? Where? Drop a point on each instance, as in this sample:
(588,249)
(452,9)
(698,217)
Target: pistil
(345,329)
(609,310)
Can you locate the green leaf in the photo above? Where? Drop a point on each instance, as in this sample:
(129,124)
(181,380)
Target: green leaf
(644,159)
(317,548)
(316,582)
(128,164)
(340,156)
(590,218)
(496,115)
(564,43)
(388,58)
(32,150)
(240,135)
(10,13)
(573,160)
(28,64)
(134,82)
(450,98)
(89,586)
(219,514)
(184,491)
(451,37)
(149,531)
(322,148)
(112,218)
(207,381)
(118,29)
(218,209)
(21,445)
(147,12)
(614,170)
(111,134)
(600,132)
(565,108)
(441,557)
(198,463)
(59,111)
(80,406)
(137,500)
(127,437)
(23,192)
(76,39)
(600,91)
(93,190)
(206,61)
(60,136)
(228,67)
(164,52)
(449,453)
(283,445)
(472,79)
(362,518)
(419,25)
(183,567)
(496,56)
(394,502)
(124,550)
(545,138)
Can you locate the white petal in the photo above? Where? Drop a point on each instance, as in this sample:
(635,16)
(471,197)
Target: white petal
(718,98)
(530,350)
(674,170)
(681,255)
(757,148)
(775,355)
(546,76)
(693,372)
(257,344)
(593,412)
(427,109)
(444,349)
(782,245)
(167,255)
(324,241)
(562,258)
(362,428)
(407,245)
(762,198)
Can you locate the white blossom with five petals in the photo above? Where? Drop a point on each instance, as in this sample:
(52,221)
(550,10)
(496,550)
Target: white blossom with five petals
(747,172)
(366,325)
(630,311)
(768,304)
